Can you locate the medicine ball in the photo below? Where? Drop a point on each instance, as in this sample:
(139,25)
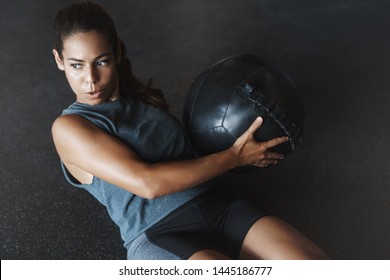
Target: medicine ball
(224,101)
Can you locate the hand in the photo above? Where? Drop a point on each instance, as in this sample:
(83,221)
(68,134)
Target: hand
(251,152)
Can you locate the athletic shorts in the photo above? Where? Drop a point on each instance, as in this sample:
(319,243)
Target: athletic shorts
(214,220)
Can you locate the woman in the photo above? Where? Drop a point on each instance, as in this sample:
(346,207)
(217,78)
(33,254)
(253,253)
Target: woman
(118,142)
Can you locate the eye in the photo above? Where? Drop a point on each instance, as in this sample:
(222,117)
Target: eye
(76,65)
(102,63)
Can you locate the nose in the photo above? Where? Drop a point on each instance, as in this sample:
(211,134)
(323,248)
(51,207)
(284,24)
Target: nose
(91,76)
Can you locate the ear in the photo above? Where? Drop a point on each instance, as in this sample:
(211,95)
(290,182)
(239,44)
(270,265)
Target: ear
(58,60)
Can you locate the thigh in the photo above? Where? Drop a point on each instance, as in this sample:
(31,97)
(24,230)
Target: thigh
(233,223)
(208,255)
(184,232)
(272,238)
(142,249)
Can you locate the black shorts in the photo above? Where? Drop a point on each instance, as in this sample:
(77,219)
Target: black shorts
(214,220)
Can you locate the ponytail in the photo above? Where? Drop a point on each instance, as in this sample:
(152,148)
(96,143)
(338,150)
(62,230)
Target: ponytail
(131,86)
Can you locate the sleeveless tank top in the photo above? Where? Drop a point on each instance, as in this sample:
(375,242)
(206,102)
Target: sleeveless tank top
(155,136)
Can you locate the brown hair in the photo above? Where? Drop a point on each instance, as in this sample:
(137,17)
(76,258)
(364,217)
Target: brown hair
(89,16)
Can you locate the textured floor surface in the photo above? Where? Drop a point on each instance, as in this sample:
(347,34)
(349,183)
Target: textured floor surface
(335,188)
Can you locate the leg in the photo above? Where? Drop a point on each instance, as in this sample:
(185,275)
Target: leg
(272,238)
(208,255)
(142,249)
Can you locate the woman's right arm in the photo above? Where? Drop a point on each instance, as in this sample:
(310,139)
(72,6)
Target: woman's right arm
(81,144)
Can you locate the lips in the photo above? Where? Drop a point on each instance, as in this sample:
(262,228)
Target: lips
(95,94)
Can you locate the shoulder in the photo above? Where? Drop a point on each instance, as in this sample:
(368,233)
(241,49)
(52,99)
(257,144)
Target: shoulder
(73,136)
(68,127)
(70,122)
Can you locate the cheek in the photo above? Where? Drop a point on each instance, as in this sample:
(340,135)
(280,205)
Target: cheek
(74,75)
(74,80)
(108,76)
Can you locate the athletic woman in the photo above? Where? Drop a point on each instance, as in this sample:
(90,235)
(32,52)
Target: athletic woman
(118,142)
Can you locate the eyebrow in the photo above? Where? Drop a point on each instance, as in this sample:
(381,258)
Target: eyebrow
(96,58)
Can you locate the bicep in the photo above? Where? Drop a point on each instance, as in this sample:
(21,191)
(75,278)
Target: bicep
(82,144)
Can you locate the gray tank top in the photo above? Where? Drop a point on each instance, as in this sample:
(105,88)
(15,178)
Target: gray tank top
(157,137)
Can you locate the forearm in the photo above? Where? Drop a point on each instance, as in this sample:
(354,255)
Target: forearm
(171,177)
(176,176)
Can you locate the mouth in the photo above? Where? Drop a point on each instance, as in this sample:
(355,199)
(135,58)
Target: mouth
(95,94)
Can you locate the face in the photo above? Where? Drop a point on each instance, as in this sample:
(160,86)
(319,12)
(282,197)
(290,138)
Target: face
(89,64)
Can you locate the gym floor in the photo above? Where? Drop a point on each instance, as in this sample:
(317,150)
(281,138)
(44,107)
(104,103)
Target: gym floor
(335,188)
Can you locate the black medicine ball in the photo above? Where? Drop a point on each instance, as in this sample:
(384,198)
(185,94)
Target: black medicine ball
(225,100)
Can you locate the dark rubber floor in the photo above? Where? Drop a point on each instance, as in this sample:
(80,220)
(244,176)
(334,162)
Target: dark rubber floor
(335,188)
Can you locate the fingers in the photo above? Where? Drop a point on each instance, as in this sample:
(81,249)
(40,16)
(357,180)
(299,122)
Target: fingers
(265,162)
(274,142)
(255,125)
(269,144)
(272,155)
(269,157)
(252,152)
